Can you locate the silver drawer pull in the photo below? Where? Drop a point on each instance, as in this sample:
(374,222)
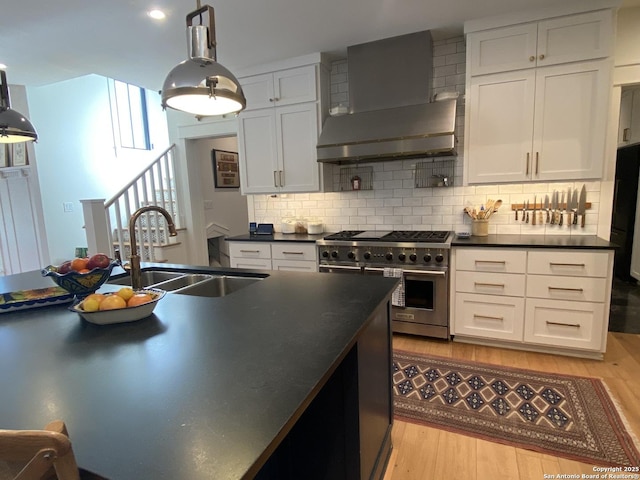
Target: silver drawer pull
(581,265)
(491,261)
(249,251)
(574,325)
(293,253)
(481,284)
(567,289)
(475,315)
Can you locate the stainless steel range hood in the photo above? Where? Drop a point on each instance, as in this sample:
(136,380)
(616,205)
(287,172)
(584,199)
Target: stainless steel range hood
(390,115)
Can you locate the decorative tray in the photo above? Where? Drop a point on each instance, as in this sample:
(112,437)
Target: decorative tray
(39,297)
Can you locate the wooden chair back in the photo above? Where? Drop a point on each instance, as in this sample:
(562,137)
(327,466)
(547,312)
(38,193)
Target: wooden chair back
(46,452)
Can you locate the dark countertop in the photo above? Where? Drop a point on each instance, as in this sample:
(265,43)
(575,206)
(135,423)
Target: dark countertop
(204,388)
(278,237)
(535,241)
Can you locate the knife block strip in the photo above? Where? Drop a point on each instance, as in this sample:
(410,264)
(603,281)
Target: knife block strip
(540,206)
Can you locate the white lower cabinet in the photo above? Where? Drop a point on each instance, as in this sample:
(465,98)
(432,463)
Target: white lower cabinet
(489,317)
(552,300)
(289,256)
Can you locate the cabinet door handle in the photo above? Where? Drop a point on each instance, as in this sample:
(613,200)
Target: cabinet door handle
(532,58)
(537,161)
(249,251)
(567,289)
(574,325)
(581,265)
(293,253)
(491,261)
(527,164)
(281,175)
(482,284)
(275,179)
(475,315)
(541,57)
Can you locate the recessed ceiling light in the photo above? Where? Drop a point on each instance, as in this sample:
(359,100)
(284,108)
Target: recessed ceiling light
(156,14)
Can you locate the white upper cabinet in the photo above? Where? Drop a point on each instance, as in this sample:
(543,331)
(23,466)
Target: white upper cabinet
(559,40)
(286,87)
(279,130)
(537,99)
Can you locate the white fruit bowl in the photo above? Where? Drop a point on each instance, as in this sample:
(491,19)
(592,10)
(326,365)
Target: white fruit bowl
(122,315)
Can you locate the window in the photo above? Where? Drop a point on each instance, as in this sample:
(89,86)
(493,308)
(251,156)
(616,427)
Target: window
(129,113)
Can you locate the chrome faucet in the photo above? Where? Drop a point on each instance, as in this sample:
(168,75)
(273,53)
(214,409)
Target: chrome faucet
(134,260)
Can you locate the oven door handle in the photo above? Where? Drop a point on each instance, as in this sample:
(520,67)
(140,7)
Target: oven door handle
(418,272)
(328,268)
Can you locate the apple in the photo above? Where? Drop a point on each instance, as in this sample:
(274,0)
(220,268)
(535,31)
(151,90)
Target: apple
(65,267)
(99,260)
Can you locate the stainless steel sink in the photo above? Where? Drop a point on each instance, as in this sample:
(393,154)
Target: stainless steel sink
(149,277)
(197,284)
(217,286)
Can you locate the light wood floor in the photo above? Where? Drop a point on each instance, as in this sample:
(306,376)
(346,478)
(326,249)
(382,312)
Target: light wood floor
(421,453)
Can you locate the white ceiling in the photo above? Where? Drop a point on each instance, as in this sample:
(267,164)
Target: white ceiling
(44,41)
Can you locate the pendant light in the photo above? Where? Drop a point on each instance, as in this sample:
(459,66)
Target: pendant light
(200,85)
(14,127)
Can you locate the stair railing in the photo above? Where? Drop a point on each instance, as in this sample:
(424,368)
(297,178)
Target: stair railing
(155,185)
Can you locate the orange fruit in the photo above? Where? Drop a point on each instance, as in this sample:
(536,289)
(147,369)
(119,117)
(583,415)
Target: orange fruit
(90,305)
(126,293)
(84,270)
(78,264)
(139,299)
(95,296)
(112,302)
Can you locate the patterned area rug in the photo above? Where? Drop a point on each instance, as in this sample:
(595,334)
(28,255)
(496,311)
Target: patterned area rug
(562,415)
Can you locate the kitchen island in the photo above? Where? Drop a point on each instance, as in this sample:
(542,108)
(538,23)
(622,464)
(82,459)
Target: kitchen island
(287,378)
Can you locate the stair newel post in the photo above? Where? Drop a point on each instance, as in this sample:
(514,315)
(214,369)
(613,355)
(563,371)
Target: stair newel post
(96,225)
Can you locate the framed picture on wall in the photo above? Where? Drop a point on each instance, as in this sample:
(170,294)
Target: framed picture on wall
(225,169)
(19,156)
(4,155)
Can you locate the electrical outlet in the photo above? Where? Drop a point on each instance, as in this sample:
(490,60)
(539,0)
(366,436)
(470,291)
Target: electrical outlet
(67,207)
(208,204)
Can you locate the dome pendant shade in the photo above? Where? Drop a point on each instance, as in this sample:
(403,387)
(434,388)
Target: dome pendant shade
(14,127)
(200,85)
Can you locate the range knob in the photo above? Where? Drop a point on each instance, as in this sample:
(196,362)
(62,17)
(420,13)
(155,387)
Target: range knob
(413,257)
(367,255)
(427,257)
(389,256)
(402,257)
(334,254)
(439,258)
(351,255)
(325,254)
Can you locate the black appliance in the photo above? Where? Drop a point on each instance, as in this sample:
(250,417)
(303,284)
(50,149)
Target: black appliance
(624,208)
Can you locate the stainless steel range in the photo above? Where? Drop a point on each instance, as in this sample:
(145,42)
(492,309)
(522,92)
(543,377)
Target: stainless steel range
(420,258)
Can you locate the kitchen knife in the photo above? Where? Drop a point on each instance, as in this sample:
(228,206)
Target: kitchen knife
(569,207)
(533,219)
(554,205)
(574,206)
(561,206)
(527,211)
(546,206)
(582,204)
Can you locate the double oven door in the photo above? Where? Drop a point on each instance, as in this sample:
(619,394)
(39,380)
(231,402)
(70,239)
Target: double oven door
(420,306)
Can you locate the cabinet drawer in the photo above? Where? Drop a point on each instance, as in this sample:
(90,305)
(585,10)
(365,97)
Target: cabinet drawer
(565,324)
(488,316)
(294,265)
(491,260)
(583,289)
(293,251)
(508,284)
(250,250)
(581,263)
(251,263)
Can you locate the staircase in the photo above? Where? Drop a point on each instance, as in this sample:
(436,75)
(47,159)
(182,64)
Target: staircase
(107,222)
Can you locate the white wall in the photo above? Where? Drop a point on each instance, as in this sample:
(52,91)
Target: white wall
(75,153)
